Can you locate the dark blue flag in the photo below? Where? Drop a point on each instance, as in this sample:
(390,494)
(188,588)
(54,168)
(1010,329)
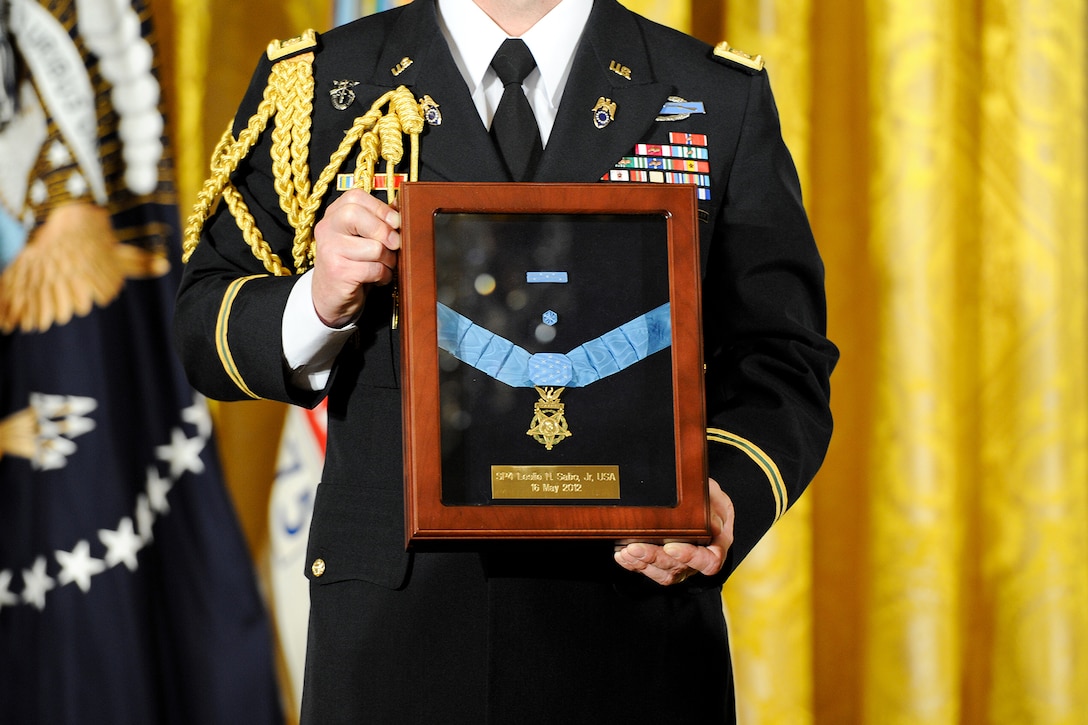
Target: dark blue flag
(127,594)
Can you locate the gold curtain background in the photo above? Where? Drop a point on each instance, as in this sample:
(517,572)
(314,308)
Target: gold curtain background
(937,572)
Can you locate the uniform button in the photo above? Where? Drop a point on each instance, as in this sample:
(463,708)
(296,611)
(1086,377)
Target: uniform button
(318,567)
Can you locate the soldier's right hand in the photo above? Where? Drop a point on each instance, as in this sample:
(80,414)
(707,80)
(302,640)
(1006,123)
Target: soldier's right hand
(356,245)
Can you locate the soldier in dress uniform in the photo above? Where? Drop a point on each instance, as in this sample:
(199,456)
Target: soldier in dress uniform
(289,294)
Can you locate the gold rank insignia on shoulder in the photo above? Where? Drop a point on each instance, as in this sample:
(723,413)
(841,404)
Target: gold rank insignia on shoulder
(278,49)
(727,52)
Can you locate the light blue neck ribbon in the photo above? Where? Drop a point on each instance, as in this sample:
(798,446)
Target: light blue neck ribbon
(610,353)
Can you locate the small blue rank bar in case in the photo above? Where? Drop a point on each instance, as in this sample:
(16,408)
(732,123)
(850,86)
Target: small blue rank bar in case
(544,277)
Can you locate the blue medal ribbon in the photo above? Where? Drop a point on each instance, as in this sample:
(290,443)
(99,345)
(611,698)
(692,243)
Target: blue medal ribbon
(606,355)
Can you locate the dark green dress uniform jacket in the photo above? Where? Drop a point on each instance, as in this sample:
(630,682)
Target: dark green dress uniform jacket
(532,633)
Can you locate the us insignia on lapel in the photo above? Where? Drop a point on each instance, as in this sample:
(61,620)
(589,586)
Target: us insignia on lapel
(620,70)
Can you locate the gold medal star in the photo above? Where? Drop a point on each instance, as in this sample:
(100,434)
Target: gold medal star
(549,426)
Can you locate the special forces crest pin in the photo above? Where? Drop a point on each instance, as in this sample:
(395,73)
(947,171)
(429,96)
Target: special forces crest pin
(342,94)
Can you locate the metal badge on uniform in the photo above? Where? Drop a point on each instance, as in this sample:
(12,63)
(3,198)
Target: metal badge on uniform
(342,94)
(431,114)
(677,109)
(604,112)
(400,67)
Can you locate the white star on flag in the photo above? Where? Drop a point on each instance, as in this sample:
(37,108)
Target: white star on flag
(77,185)
(122,545)
(198,415)
(39,192)
(7,599)
(182,453)
(157,490)
(79,566)
(144,518)
(36,583)
(58,155)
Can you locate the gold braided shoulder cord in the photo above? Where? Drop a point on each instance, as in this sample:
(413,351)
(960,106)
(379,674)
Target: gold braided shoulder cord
(289,97)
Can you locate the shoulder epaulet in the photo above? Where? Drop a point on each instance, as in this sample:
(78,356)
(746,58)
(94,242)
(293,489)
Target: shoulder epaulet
(729,54)
(280,49)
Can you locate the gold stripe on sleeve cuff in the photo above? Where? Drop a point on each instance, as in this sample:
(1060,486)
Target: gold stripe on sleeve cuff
(761,459)
(221,344)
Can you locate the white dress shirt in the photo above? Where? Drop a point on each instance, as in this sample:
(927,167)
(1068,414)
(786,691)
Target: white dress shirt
(309,346)
(474,38)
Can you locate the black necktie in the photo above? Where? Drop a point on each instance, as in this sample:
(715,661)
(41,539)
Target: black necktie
(514,126)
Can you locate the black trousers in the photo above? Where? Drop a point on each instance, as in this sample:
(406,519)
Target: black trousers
(473,640)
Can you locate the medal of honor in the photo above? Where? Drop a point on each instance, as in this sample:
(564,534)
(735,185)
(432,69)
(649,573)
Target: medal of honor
(551,373)
(549,426)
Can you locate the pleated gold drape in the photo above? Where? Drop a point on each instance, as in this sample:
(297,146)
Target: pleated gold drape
(937,572)
(943,150)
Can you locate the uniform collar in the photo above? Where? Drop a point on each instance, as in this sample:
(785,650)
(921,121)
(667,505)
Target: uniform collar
(474,37)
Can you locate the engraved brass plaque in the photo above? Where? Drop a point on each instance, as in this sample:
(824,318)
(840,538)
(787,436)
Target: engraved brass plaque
(555,482)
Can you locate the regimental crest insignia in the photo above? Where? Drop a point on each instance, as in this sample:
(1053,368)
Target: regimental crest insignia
(549,426)
(431,114)
(604,112)
(342,94)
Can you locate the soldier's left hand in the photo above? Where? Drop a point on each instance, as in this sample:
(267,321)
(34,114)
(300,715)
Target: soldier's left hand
(674,562)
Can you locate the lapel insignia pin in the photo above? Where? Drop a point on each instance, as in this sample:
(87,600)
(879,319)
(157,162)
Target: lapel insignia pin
(604,112)
(342,94)
(431,114)
(400,67)
(620,69)
(677,109)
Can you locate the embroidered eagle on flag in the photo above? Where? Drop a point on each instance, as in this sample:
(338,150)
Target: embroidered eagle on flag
(73,165)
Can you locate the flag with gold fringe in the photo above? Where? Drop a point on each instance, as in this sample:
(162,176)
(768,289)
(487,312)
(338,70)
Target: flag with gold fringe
(126,591)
